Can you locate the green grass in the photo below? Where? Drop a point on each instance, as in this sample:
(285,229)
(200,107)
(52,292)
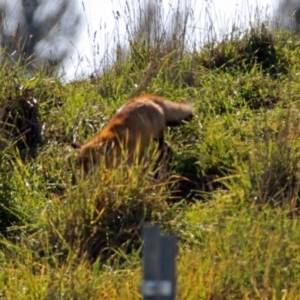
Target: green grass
(231,195)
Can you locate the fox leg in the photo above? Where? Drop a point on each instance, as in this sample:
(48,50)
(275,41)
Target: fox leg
(165,152)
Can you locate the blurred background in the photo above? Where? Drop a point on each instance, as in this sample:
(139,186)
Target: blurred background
(81,38)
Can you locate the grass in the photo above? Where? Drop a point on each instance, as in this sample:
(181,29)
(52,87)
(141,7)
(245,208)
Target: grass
(231,195)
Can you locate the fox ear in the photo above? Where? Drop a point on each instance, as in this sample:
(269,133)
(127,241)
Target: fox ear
(106,147)
(76,146)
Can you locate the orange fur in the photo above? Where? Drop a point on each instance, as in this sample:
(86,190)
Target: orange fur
(131,129)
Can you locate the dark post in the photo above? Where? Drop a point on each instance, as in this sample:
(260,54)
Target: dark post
(159,282)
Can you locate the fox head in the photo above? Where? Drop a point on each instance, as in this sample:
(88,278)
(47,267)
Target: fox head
(89,157)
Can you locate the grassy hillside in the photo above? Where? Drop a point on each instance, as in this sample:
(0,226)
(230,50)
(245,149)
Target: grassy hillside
(231,194)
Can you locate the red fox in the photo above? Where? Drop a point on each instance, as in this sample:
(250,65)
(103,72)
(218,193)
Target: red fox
(132,128)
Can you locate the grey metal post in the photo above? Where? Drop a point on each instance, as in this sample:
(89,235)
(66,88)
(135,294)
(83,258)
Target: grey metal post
(159,253)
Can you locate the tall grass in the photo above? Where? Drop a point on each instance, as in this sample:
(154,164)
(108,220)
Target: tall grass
(230,193)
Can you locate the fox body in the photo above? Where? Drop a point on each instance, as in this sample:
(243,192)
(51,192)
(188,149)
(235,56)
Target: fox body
(131,130)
